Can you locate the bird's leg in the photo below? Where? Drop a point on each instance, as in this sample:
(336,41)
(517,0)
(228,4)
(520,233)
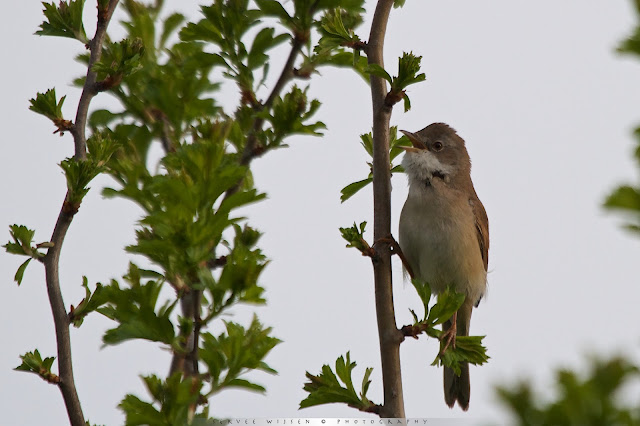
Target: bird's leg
(449,336)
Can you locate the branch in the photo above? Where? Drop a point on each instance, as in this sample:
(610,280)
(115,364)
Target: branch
(61,319)
(90,88)
(251,149)
(390,336)
(52,258)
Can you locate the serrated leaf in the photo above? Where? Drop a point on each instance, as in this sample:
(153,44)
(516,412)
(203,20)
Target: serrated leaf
(64,20)
(47,104)
(326,389)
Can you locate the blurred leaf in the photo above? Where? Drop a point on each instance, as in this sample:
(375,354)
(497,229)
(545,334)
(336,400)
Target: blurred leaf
(235,353)
(172,23)
(91,302)
(592,398)
(134,309)
(273,8)
(176,397)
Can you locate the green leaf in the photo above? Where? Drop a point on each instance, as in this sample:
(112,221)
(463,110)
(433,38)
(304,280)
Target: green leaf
(64,20)
(32,362)
(138,412)
(20,272)
(351,189)
(408,68)
(378,71)
(47,104)
(326,389)
(92,302)
(407,102)
(172,22)
(355,237)
(424,292)
(236,352)
(448,303)
(273,8)
(135,310)
(625,197)
(22,244)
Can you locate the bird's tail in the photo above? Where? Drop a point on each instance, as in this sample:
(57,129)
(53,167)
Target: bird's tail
(458,388)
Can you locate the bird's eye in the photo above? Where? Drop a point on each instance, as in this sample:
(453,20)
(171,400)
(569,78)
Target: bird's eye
(437,146)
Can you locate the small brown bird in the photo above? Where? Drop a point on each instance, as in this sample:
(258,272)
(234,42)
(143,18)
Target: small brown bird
(444,232)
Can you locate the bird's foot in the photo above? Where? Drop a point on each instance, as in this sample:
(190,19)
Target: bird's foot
(449,336)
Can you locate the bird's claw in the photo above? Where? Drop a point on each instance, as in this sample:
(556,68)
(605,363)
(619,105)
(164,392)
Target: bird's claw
(449,339)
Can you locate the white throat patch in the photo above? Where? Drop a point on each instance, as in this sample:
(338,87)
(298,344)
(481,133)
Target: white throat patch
(422,165)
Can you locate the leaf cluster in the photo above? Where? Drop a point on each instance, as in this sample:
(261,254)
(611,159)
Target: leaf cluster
(48,105)
(79,173)
(355,238)
(329,387)
(32,362)
(236,352)
(408,74)
(394,151)
(467,348)
(22,245)
(588,399)
(227,358)
(118,60)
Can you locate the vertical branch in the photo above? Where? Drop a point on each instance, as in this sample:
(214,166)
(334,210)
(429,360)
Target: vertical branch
(390,336)
(90,88)
(61,319)
(52,259)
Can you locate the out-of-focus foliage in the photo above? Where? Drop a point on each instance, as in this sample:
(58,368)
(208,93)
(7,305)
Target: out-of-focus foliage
(592,399)
(626,198)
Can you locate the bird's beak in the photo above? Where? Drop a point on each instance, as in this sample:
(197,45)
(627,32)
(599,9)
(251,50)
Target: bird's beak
(415,141)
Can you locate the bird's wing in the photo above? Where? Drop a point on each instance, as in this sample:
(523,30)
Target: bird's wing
(482,228)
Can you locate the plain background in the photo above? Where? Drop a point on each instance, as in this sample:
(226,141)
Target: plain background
(547,109)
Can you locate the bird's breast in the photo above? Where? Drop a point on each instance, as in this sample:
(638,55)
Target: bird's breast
(438,237)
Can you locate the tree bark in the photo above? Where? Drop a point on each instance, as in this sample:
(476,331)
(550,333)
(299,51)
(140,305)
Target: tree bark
(390,336)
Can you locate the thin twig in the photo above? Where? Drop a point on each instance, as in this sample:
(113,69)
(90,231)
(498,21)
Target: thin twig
(52,259)
(90,88)
(251,149)
(390,336)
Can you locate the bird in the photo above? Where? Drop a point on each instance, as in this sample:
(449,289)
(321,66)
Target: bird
(444,233)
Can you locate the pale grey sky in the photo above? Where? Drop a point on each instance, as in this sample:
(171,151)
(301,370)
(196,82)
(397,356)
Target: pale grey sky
(547,109)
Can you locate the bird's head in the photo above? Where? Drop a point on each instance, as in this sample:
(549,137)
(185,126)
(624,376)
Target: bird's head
(437,152)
